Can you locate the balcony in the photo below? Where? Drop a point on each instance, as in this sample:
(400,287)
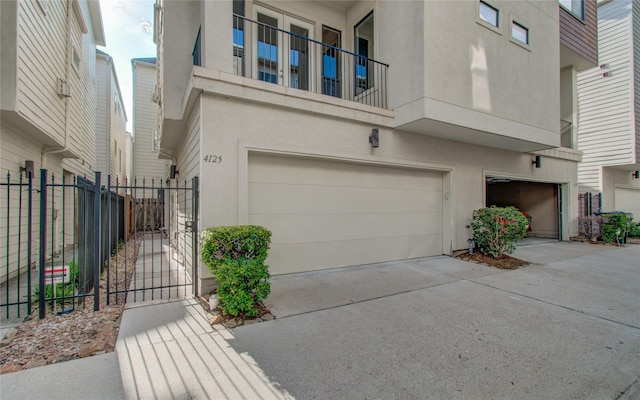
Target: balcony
(264,52)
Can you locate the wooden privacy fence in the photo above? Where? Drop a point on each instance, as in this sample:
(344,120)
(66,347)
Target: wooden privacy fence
(144,214)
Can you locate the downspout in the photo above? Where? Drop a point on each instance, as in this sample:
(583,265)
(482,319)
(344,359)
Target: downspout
(43,155)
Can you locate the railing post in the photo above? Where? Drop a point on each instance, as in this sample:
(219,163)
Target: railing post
(195,196)
(43,242)
(97,201)
(29,239)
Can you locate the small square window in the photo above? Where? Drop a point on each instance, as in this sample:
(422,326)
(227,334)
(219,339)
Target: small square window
(519,32)
(489,14)
(75,58)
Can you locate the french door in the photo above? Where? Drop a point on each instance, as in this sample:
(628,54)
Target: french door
(282,52)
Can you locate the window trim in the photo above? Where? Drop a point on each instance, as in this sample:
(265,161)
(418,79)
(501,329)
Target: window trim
(513,40)
(582,17)
(497,29)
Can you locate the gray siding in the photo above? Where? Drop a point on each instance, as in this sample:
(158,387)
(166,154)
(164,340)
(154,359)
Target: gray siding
(606,103)
(102,115)
(636,80)
(145,118)
(41,53)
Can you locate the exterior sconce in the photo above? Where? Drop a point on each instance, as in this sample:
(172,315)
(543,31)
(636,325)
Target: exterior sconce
(28,168)
(374,138)
(635,174)
(537,162)
(173,171)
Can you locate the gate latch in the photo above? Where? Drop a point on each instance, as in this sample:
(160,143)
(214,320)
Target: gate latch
(190,226)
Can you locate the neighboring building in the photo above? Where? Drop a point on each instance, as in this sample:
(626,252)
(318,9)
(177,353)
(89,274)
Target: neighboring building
(111,123)
(48,104)
(146,162)
(352,161)
(609,95)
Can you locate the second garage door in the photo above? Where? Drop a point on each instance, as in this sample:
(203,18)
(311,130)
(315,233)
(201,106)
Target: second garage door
(628,200)
(326,214)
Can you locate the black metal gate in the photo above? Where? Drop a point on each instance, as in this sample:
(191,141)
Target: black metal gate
(81,243)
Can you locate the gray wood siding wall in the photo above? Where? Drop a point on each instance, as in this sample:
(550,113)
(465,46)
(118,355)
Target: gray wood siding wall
(145,117)
(41,60)
(188,161)
(606,103)
(102,114)
(636,79)
(580,35)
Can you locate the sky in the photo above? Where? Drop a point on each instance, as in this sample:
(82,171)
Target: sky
(128,29)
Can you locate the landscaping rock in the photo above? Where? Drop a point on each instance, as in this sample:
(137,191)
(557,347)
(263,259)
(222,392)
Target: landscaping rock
(91,348)
(214,319)
(8,337)
(7,368)
(267,317)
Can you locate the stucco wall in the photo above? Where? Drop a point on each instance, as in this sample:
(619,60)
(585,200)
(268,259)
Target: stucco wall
(227,135)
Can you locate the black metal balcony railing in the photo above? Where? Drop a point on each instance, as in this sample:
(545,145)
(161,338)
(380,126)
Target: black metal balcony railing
(270,54)
(566,134)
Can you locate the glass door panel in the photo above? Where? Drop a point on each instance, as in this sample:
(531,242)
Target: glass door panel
(331,63)
(267,48)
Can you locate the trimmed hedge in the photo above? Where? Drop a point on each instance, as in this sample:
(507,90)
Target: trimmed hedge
(235,256)
(496,230)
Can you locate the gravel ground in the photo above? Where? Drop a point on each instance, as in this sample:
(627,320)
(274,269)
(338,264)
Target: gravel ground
(81,333)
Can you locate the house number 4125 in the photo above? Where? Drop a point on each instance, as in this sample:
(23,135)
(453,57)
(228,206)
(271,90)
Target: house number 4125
(210,158)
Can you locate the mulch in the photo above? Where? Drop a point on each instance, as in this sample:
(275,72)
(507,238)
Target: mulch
(504,262)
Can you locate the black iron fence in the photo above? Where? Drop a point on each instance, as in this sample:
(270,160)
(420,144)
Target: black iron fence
(75,243)
(589,207)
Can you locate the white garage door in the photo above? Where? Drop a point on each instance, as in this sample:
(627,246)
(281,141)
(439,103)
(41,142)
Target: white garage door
(327,214)
(628,200)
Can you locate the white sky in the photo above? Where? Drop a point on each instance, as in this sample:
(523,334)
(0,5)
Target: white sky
(128,28)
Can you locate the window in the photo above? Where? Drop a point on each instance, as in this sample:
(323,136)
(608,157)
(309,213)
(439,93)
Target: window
(363,34)
(576,7)
(519,33)
(154,140)
(489,14)
(75,58)
(238,37)
(331,69)
(299,58)
(267,49)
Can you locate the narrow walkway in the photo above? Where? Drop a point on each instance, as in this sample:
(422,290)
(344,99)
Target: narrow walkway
(158,267)
(166,349)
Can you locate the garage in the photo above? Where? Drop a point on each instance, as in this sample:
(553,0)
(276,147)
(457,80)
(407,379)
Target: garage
(328,214)
(628,200)
(538,199)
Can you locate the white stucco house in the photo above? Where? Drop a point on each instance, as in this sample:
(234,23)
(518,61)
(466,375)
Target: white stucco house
(367,131)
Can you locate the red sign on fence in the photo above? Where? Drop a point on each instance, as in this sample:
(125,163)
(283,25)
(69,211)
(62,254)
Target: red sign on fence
(56,274)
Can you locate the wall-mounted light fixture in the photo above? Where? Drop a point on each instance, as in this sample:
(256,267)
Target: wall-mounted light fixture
(537,162)
(635,174)
(374,138)
(28,168)
(173,171)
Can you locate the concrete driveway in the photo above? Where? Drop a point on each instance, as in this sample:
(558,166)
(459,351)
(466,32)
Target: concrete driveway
(565,327)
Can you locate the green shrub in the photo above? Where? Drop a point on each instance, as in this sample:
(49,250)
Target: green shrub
(634,230)
(496,230)
(63,290)
(235,256)
(613,226)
